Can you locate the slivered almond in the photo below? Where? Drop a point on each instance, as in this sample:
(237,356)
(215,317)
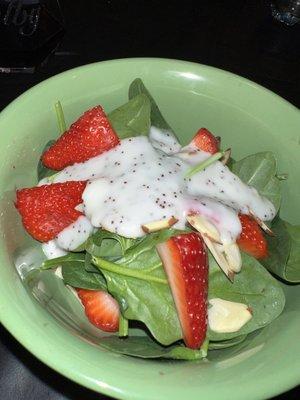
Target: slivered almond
(233,256)
(226,156)
(205,227)
(261,223)
(227,316)
(155,226)
(227,257)
(220,259)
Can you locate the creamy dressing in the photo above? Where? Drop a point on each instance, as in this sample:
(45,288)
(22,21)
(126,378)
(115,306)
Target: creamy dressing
(75,234)
(52,250)
(143,180)
(164,140)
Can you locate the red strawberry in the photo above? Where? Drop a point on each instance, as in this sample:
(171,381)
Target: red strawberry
(88,137)
(206,141)
(101,309)
(46,210)
(184,258)
(252,240)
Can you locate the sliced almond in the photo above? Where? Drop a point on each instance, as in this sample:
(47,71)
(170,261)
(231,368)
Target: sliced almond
(219,257)
(229,263)
(227,316)
(155,226)
(233,256)
(205,227)
(225,158)
(261,223)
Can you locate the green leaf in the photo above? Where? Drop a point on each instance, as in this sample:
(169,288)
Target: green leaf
(142,299)
(157,118)
(132,118)
(74,272)
(42,171)
(284,251)
(204,164)
(224,344)
(151,302)
(259,170)
(253,286)
(145,347)
(123,326)
(60,117)
(108,245)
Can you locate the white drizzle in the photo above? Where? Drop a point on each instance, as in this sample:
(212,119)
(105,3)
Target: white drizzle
(136,183)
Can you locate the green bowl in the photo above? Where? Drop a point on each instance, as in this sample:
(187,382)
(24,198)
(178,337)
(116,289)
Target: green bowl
(50,323)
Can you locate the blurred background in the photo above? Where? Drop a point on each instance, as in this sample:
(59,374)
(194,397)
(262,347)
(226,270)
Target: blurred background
(257,39)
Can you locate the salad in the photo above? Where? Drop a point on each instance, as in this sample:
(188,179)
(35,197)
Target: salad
(181,240)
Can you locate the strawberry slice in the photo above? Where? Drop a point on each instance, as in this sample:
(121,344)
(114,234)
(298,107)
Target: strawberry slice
(101,309)
(88,137)
(252,240)
(204,140)
(184,258)
(46,210)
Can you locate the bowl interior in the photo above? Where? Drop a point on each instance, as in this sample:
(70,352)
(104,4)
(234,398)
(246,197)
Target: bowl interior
(52,325)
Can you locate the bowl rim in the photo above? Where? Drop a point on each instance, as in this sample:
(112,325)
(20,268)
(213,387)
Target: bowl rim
(34,347)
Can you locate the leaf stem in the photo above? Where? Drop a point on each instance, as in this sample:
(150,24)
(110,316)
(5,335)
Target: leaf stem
(60,117)
(122,270)
(199,167)
(153,268)
(123,326)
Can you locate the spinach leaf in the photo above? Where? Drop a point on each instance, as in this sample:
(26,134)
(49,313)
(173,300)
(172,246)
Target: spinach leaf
(42,171)
(108,245)
(74,272)
(284,251)
(132,118)
(224,344)
(145,347)
(145,295)
(138,282)
(157,118)
(259,170)
(253,286)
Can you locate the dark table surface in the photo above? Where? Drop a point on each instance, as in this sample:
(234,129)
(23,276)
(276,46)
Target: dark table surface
(238,36)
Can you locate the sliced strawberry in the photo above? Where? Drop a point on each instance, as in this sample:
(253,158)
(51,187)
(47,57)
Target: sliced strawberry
(252,240)
(46,210)
(184,258)
(204,140)
(88,137)
(101,309)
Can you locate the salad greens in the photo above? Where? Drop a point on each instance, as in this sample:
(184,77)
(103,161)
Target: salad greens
(137,87)
(284,251)
(132,271)
(260,171)
(145,347)
(253,286)
(132,118)
(42,171)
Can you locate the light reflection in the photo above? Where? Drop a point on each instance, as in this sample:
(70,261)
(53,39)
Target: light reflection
(229,362)
(189,75)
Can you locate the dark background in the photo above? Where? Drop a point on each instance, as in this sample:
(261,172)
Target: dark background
(236,35)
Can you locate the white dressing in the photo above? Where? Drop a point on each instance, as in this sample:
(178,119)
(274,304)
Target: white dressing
(51,249)
(75,234)
(136,183)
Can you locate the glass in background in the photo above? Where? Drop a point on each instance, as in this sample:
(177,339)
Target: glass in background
(30,31)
